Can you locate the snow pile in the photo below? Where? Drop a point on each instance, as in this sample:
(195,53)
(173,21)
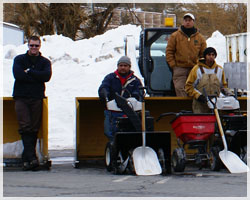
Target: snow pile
(218,41)
(78,67)
(15,149)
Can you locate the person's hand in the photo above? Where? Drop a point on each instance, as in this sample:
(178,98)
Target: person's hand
(104,95)
(202,99)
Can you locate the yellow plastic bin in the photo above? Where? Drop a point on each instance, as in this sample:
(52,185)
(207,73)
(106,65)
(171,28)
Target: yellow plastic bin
(12,144)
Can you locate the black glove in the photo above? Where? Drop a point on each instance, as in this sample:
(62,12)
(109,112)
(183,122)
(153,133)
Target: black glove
(202,99)
(103,94)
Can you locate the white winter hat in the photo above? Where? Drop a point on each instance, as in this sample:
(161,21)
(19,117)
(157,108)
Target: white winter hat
(189,15)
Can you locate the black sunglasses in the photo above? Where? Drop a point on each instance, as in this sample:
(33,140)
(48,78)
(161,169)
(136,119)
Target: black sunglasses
(34,45)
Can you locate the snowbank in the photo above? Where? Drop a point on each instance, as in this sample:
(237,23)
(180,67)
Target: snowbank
(218,41)
(78,68)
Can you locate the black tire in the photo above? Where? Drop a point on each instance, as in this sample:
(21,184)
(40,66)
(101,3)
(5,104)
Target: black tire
(161,158)
(109,157)
(164,161)
(116,171)
(179,160)
(131,167)
(214,158)
(121,164)
(243,154)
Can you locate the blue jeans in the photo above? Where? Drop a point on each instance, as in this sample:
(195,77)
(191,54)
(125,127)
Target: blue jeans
(110,119)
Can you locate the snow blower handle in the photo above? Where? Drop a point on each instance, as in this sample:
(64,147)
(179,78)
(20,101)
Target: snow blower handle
(210,97)
(142,93)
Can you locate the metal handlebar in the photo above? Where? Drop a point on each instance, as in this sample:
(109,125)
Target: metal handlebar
(210,97)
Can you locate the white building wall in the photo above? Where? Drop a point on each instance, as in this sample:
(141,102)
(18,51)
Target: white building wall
(12,34)
(236,45)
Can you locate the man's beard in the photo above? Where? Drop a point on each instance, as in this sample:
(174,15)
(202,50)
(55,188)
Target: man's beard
(123,73)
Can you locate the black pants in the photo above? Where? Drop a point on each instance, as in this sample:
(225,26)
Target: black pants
(29,113)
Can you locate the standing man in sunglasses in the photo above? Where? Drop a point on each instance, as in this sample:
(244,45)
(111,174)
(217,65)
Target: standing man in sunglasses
(125,83)
(31,70)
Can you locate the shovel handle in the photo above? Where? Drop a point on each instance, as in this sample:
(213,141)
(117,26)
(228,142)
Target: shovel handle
(143,124)
(220,128)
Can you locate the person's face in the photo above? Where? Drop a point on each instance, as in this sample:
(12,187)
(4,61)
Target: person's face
(188,22)
(210,57)
(34,47)
(123,68)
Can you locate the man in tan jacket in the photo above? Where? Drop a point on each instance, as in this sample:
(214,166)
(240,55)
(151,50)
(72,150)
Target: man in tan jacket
(185,47)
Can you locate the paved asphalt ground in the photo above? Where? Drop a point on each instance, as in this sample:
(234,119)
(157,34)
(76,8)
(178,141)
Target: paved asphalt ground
(92,180)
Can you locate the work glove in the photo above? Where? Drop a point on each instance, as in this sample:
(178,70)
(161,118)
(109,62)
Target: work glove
(103,94)
(202,99)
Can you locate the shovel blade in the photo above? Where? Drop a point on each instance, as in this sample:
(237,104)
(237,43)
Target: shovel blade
(233,163)
(146,161)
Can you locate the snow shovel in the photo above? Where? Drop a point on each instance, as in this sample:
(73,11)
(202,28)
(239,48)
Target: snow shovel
(144,158)
(233,163)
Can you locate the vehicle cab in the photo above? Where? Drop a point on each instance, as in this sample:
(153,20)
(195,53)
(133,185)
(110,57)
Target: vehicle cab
(152,61)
